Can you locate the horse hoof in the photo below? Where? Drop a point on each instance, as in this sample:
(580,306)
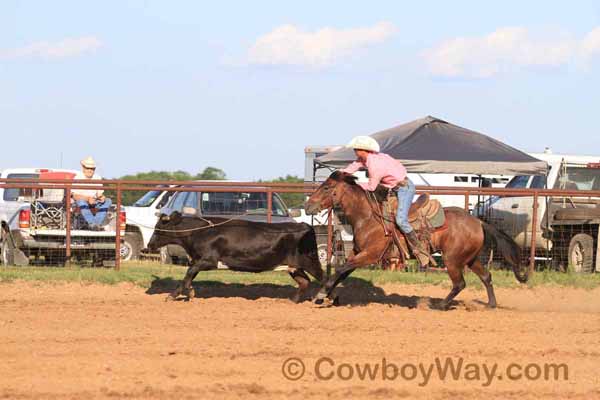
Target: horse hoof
(491,306)
(336,301)
(318,301)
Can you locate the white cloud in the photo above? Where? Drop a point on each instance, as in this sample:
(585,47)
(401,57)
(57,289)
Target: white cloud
(290,45)
(507,49)
(591,44)
(69,47)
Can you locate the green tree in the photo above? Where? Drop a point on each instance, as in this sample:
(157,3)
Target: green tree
(292,200)
(130,196)
(211,174)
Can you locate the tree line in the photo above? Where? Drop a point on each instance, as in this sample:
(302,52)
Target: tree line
(292,200)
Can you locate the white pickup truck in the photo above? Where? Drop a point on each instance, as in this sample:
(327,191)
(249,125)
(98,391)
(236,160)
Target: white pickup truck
(141,219)
(567,227)
(33,224)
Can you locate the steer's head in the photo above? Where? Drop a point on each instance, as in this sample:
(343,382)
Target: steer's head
(330,192)
(165,231)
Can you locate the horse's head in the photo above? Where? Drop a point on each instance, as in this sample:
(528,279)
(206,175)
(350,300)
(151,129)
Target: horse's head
(330,192)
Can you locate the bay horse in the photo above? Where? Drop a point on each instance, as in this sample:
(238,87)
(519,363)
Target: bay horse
(460,243)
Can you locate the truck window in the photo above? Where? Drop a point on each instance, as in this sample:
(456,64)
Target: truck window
(578,178)
(178,201)
(240,203)
(279,208)
(518,182)
(538,182)
(13,194)
(147,199)
(191,200)
(224,203)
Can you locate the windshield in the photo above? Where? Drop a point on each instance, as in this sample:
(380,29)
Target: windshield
(13,194)
(147,199)
(518,182)
(578,178)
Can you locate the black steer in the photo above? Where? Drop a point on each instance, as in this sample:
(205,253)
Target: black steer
(241,245)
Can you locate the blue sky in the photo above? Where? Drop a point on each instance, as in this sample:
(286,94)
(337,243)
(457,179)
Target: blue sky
(245,86)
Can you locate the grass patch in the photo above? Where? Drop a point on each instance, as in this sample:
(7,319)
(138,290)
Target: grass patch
(144,273)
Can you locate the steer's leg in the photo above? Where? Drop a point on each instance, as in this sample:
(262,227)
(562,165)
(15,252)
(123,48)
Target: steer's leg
(186,285)
(302,280)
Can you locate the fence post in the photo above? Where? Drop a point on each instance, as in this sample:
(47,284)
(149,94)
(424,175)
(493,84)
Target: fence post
(467,201)
(68,226)
(118,230)
(533,233)
(329,240)
(269,205)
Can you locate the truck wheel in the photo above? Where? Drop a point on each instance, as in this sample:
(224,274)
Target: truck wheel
(131,247)
(322,252)
(581,253)
(7,255)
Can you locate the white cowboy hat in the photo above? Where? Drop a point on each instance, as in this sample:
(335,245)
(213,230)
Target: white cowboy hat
(88,162)
(364,143)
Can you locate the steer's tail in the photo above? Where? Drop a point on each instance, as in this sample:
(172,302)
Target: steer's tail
(507,248)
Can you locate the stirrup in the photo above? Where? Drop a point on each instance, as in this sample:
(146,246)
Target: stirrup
(427,255)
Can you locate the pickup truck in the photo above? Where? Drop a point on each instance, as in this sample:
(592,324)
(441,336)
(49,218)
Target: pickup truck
(33,224)
(141,219)
(567,227)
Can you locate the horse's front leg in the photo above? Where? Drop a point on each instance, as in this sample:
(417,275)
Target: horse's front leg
(359,260)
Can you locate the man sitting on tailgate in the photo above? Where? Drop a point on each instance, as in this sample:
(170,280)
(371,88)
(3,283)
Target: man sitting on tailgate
(88,199)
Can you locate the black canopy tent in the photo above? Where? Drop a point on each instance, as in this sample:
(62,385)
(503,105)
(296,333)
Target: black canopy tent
(431,145)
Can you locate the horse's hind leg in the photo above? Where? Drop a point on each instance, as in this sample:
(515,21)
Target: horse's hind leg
(458,282)
(486,278)
(302,280)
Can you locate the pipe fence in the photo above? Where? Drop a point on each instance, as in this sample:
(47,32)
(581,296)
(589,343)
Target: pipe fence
(42,225)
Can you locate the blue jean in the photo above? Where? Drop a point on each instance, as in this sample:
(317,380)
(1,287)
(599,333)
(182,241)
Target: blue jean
(405,198)
(101,210)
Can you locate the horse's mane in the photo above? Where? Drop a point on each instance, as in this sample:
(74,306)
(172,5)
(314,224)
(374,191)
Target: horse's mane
(339,176)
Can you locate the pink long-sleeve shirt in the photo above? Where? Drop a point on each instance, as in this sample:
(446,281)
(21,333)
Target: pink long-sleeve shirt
(382,168)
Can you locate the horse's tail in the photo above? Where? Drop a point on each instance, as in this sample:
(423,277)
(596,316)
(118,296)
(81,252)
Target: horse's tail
(507,248)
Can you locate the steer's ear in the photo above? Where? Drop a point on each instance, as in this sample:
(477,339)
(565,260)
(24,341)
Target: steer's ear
(175,217)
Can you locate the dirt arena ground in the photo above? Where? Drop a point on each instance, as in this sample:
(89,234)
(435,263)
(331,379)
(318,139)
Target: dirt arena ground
(72,341)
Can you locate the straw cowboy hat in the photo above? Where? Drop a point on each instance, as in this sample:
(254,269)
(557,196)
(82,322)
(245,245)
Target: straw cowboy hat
(364,143)
(88,162)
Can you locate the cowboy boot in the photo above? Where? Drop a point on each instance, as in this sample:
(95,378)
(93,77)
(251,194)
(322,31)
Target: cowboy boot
(418,250)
